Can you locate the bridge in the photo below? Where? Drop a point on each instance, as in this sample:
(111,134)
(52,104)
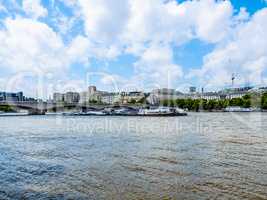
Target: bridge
(40,108)
(31,106)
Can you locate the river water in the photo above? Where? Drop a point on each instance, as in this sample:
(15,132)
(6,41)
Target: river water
(200,156)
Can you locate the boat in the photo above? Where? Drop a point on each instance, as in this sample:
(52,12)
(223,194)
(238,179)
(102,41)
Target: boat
(97,113)
(88,113)
(237,109)
(125,112)
(162,111)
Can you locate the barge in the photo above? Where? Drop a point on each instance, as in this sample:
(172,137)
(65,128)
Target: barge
(157,112)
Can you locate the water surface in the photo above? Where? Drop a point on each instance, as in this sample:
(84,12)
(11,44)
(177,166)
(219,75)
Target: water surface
(201,156)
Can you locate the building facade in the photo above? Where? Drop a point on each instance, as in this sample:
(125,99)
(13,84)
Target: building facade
(111,98)
(12,97)
(158,95)
(131,97)
(91,95)
(71,97)
(58,97)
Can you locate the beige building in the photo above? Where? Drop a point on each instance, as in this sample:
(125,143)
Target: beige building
(111,98)
(92,94)
(84,97)
(128,97)
(71,97)
(158,95)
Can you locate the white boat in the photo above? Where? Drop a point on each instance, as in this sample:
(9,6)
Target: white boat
(162,111)
(237,109)
(125,112)
(55,113)
(100,113)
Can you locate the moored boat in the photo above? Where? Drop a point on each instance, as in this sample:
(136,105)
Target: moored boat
(96,113)
(162,111)
(159,111)
(237,109)
(125,112)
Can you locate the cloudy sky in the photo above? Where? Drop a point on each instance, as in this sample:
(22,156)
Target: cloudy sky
(60,45)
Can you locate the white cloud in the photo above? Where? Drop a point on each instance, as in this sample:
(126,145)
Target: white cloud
(114,28)
(30,45)
(104,19)
(212,19)
(161,21)
(132,23)
(33,8)
(147,29)
(156,66)
(245,55)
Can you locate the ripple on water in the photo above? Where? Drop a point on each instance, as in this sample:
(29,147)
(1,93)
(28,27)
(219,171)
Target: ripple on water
(207,156)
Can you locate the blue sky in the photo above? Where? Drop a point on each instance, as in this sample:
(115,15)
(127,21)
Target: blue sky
(61,45)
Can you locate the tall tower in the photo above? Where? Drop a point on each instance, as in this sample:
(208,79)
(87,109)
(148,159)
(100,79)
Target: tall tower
(92,89)
(233,79)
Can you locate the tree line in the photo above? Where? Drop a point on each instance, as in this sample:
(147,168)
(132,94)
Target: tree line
(247,101)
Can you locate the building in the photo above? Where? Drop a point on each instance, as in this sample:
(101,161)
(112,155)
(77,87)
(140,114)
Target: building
(2,96)
(91,95)
(58,97)
(231,93)
(71,97)
(158,95)
(192,89)
(211,96)
(131,97)
(96,96)
(12,97)
(111,98)
(92,89)
(84,97)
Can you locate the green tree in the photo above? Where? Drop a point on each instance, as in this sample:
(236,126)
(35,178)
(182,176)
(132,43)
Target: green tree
(221,104)
(264,101)
(246,101)
(204,104)
(211,104)
(236,102)
(132,101)
(181,103)
(92,101)
(142,100)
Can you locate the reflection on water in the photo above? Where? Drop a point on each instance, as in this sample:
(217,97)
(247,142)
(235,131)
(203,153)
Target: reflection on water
(201,156)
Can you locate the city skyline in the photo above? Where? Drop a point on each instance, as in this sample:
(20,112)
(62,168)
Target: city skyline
(60,45)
